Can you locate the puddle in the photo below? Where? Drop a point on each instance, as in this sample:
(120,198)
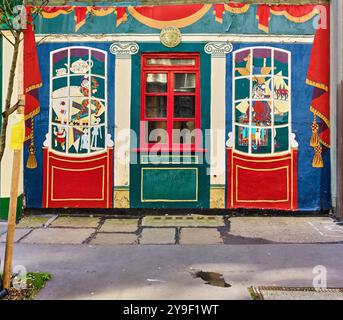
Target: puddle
(211,278)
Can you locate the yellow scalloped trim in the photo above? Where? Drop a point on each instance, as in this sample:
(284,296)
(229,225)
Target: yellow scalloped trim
(317,85)
(320,115)
(243,9)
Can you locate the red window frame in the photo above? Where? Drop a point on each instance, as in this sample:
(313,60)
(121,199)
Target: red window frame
(170,94)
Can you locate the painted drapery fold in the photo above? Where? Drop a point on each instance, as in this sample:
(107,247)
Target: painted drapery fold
(32,82)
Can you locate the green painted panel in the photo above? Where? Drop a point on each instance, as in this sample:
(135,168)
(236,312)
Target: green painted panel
(4,205)
(166,159)
(170,184)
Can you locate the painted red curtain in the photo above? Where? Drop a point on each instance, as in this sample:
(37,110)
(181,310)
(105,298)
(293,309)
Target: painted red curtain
(294,13)
(237,8)
(318,77)
(32,82)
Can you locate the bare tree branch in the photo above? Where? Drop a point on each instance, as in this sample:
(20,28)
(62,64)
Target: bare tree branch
(3,35)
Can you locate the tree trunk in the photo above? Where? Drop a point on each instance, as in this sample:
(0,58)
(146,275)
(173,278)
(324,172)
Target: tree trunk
(9,94)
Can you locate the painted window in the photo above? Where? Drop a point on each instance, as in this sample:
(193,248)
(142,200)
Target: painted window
(262,100)
(170,101)
(78,100)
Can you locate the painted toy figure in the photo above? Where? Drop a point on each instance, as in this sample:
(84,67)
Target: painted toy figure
(60,137)
(85,140)
(96,132)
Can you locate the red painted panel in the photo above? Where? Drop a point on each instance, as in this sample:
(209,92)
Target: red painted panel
(78,182)
(262,183)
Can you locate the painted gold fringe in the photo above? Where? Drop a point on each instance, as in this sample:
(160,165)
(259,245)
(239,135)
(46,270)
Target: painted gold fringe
(315,127)
(315,144)
(31,160)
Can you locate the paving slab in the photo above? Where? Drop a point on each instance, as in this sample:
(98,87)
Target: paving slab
(119,225)
(114,239)
(33,221)
(58,236)
(19,233)
(284,230)
(158,236)
(183,221)
(200,236)
(76,222)
(3,227)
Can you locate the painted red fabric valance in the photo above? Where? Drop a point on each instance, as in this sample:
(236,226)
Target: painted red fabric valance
(294,13)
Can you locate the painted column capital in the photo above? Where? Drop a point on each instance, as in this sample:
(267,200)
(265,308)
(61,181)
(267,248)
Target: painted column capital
(218,49)
(124,50)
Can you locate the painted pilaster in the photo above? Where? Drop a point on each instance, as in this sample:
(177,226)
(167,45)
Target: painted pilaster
(218,52)
(123,52)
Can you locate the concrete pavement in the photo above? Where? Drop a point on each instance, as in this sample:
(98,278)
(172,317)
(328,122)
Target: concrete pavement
(163,271)
(185,230)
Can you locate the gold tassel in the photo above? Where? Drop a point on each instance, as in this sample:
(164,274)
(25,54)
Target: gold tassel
(315,127)
(31,160)
(318,159)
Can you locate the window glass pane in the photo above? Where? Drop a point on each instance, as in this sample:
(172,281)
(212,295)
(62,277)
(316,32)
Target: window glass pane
(242,89)
(171,62)
(281,63)
(79,86)
(60,111)
(157,132)
(98,110)
(79,112)
(184,106)
(183,132)
(60,63)
(98,88)
(242,139)
(78,140)
(60,87)
(242,63)
(156,107)
(97,138)
(156,82)
(281,139)
(261,141)
(98,63)
(184,82)
(262,63)
(261,113)
(242,111)
(79,61)
(261,88)
(59,138)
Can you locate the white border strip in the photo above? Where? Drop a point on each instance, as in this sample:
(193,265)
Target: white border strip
(185,38)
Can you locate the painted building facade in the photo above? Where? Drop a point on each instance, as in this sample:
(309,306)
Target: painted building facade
(221,105)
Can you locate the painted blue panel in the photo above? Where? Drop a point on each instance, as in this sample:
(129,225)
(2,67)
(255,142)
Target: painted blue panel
(313,184)
(33,178)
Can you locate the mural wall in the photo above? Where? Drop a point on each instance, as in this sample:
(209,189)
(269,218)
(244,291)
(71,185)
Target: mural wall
(120,86)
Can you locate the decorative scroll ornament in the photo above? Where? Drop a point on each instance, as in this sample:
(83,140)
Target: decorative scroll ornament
(218,49)
(170,37)
(124,49)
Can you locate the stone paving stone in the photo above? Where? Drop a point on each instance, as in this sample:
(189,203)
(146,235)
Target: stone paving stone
(58,236)
(120,225)
(302,295)
(284,229)
(114,238)
(19,233)
(158,236)
(76,222)
(33,221)
(183,221)
(199,236)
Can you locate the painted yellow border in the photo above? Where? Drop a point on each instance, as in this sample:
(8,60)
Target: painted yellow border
(172,200)
(77,170)
(259,170)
